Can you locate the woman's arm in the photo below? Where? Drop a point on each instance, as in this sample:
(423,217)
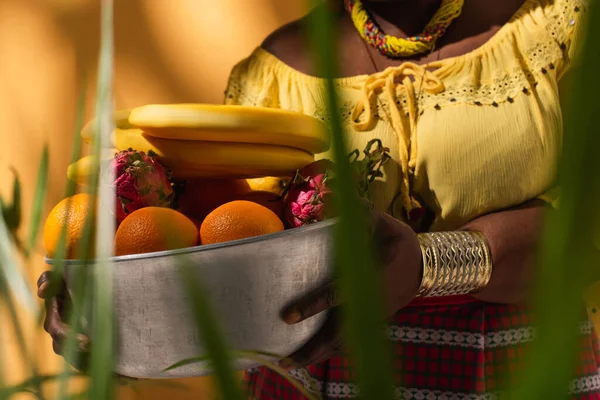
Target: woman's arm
(513,236)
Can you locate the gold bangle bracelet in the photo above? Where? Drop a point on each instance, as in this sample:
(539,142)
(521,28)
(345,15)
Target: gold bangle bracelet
(454,263)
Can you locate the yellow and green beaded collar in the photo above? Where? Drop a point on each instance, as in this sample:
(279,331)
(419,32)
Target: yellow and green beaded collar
(395,47)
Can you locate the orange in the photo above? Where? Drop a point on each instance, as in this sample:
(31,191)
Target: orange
(238,220)
(266,199)
(70,214)
(201,196)
(151,229)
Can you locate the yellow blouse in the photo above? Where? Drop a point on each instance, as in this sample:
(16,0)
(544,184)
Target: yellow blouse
(468,135)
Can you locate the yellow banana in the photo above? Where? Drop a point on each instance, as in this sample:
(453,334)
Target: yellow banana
(189,159)
(81,170)
(269,184)
(121,118)
(236,124)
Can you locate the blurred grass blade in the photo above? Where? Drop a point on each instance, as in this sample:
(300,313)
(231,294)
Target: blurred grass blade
(162,383)
(102,356)
(363,310)
(210,333)
(249,355)
(16,202)
(28,359)
(80,285)
(27,385)
(84,395)
(568,258)
(2,332)
(193,360)
(262,358)
(11,271)
(15,215)
(275,367)
(58,265)
(38,202)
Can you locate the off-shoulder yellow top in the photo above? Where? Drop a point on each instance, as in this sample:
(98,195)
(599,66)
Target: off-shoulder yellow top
(468,135)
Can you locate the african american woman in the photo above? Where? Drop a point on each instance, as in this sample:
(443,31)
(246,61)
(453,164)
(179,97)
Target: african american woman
(467,96)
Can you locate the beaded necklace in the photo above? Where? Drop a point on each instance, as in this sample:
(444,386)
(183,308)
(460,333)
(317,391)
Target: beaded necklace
(395,47)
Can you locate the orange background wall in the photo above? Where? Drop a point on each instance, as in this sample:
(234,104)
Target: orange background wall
(166,51)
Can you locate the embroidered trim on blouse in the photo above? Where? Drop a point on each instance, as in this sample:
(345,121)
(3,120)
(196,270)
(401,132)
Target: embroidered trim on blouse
(541,59)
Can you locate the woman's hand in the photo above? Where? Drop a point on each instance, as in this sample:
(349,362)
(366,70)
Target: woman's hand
(513,236)
(57,306)
(399,253)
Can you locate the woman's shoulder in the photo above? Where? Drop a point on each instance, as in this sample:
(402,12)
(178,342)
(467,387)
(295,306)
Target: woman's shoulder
(284,52)
(289,45)
(281,63)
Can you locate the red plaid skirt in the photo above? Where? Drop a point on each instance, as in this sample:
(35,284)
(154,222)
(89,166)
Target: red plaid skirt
(467,351)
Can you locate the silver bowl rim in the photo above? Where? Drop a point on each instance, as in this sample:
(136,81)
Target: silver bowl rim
(201,248)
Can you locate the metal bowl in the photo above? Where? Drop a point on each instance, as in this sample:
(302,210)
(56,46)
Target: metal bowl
(248,283)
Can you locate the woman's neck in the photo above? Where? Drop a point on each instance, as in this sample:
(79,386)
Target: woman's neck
(402,17)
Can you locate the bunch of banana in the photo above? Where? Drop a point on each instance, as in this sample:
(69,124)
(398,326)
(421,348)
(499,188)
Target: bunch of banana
(215,141)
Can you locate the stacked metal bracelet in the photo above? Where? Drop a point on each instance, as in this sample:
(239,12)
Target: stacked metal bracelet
(454,263)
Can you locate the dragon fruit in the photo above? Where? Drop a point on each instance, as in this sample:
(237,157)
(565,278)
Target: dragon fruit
(140,181)
(308,196)
(306,201)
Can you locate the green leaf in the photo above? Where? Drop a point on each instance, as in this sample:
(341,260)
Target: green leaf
(38,201)
(12,212)
(28,384)
(6,211)
(102,358)
(11,272)
(84,395)
(27,357)
(15,223)
(364,321)
(58,265)
(81,303)
(262,358)
(194,360)
(210,332)
(275,367)
(568,260)
(137,384)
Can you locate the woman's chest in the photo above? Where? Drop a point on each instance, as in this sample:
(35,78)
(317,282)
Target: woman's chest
(466,158)
(475,159)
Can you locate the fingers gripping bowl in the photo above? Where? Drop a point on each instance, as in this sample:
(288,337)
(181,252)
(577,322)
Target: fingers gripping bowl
(248,283)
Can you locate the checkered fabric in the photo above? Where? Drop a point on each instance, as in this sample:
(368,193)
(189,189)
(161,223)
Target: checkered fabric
(469,351)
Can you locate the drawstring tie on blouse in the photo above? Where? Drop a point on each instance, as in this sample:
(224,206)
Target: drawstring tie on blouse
(412,76)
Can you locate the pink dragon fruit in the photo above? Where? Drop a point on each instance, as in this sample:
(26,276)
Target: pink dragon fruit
(306,201)
(140,181)
(308,196)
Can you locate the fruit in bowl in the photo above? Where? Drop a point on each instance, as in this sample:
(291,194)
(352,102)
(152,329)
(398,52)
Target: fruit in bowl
(140,181)
(199,197)
(213,211)
(69,215)
(214,198)
(309,195)
(214,190)
(237,220)
(152,229)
